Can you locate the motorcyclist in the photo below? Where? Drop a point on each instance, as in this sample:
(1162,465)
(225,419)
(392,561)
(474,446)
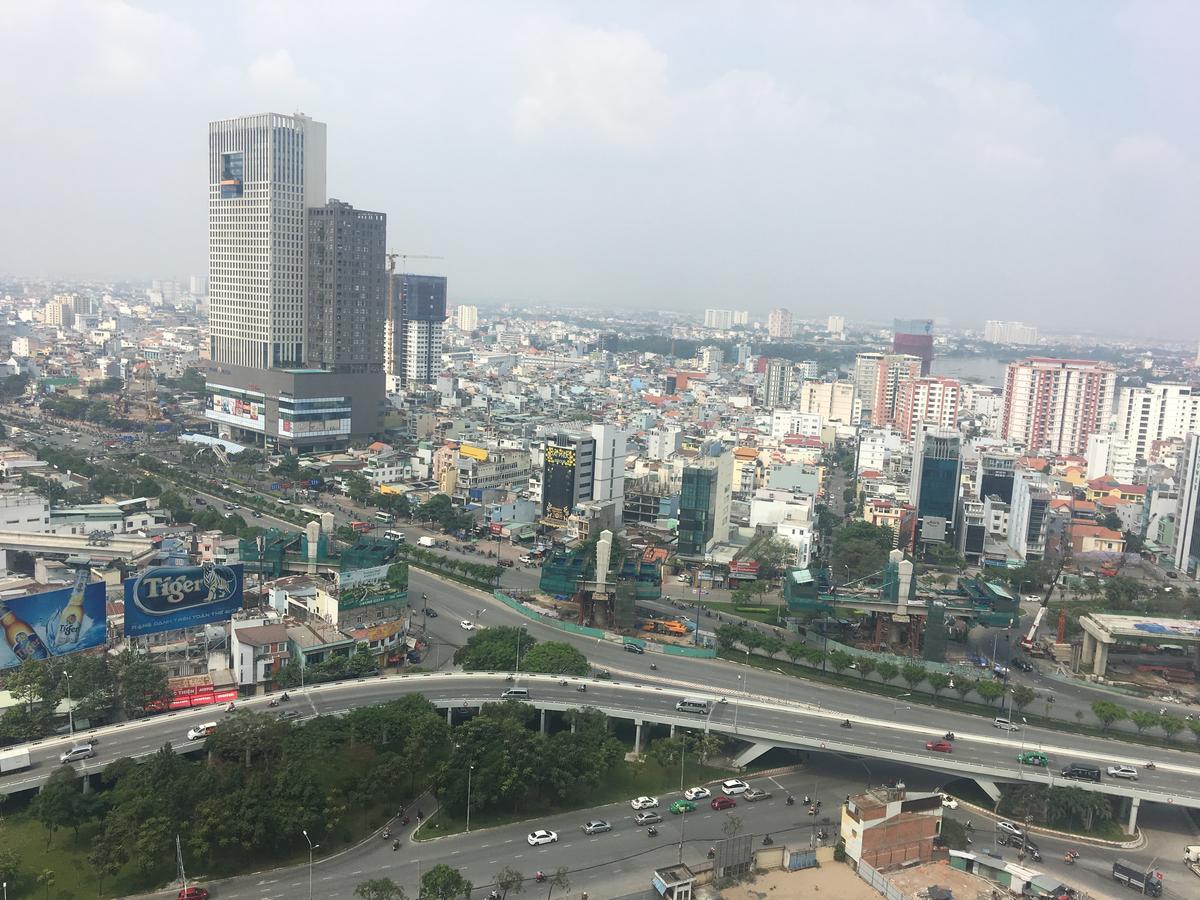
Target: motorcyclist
(846,723)
(540,876)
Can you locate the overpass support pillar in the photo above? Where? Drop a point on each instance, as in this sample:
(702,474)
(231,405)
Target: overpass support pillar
(572,724)
(450,715)
(751,753)
(1101,664)
(1134,803)
(637,737)
(3,559)
(544,722)
(1089,648)
(989,787)
(672,731)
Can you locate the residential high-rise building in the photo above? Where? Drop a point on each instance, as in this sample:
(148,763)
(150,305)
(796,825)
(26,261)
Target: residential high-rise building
(264,173)
(721,319)
(777,386)
(1111,455)
(1054,404)
(711,359)
(934,401)
(60,313)
(832,400)
(891,371)
(936,475)
(914,337)
(1029,515)
(1156,412)
(421,302)
(741,317)
(290,369)
(705,499)
(347,288)
(866,370)
(997,332)
(1187,511)
(466,317)
(608,478)
(779,325)
(836,326)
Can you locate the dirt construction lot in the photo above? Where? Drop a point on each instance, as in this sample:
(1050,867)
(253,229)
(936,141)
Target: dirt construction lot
(830,880)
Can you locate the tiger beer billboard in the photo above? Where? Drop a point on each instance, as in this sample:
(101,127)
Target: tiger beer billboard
(166,598)
(52,623)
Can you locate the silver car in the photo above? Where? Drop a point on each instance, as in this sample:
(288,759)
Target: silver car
(1122,772)
(596,826)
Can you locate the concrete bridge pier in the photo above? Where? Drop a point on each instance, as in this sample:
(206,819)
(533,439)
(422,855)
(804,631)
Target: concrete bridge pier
(1132,804)
(544,722)
(672,730)
(450,715)
(989,787)
(751,753)
(637,737)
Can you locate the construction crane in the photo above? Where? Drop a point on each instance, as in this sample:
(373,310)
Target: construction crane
(389,327)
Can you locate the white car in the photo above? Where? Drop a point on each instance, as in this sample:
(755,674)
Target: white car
(201,731)
(948,802)
(542,836)
(644,802)
(733,786)
(697,793)
(466,625)
(1122,772)
(1009,828)
(1005,725)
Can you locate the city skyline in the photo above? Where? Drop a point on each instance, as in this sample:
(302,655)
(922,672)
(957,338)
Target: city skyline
(960,151)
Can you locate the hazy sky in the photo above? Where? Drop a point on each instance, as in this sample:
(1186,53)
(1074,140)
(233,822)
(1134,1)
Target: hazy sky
(961,160)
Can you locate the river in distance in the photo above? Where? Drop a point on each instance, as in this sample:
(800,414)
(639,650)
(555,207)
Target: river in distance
(978,369)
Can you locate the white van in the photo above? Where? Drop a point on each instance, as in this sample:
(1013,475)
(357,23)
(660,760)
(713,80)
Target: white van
(692,705)
(201,731)
(515,694)
(1004,724)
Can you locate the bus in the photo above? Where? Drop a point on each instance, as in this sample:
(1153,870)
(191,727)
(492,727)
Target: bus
(310,512)
(384,518)
(362,527)
(397,536)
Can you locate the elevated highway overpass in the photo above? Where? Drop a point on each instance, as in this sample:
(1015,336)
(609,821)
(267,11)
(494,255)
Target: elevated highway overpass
(101,548)
(979,752)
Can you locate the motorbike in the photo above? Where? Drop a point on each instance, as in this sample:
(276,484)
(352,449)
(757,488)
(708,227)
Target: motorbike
(1069,859)
(1148,765)
(229,708)
(284,697)
(767,842)
(791,801)
(948,736)
(404,820)
(539,877)
(563,682)
(582,688)
(509,678)
(822,835)
(712,852)
(653,667)
(723,700)
(652,831)
(387,833)
(395,846)
(846,724)
(273,702)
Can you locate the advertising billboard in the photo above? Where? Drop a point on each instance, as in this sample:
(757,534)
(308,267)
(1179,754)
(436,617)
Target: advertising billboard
(53,623)
(236,411)
(168,597)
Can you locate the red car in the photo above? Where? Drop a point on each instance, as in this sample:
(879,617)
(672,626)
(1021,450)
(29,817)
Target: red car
(193,893)
(939,746)
(723,803)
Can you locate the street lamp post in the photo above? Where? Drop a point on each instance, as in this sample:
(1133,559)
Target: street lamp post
(70,705)
(311,848)
(470,769)
(737,704)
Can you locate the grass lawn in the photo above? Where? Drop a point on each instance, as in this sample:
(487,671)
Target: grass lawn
(633,780)
(767,613)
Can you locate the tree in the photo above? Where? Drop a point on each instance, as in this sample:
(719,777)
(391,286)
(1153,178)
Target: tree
(990,691)
(363,663)
(1108,713)
(1122,592)
(358,486)
(794,650)
(954,835)
(773,555)
(444,883)
(731,826)
(141,683)
(47,878)
(963,686)
(1171,726)
(887,671)
(560,879)
(555,658)
(840,660)
(1194,728)
(379,889)
(861,547)
(8,863)
(495,649)
(866,666)
(939,681)
(1111,521)
(1022,696)
(913,674)
(58,803)
(509,880)
(1143,719)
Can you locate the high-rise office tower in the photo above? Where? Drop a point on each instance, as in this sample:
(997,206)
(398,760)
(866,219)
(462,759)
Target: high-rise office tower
(997,332)
(705,500)
(891,371)
(932,401)
(936,474)
(466,317)
(866,370)
(347,288)
(777,386)
(994,476)
(264,173)
(1187,510)
(1054,404)
(779,324)
(290,368)
(421,302)
(1156,412)
(915,338)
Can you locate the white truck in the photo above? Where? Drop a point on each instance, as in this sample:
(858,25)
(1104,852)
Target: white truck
(426,541)
(14,761)
(1191,858)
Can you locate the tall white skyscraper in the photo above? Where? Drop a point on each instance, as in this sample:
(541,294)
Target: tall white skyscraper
(1156,412)
(836,326)
(274,166)
(467,317)
(1187,513)
(718,318)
